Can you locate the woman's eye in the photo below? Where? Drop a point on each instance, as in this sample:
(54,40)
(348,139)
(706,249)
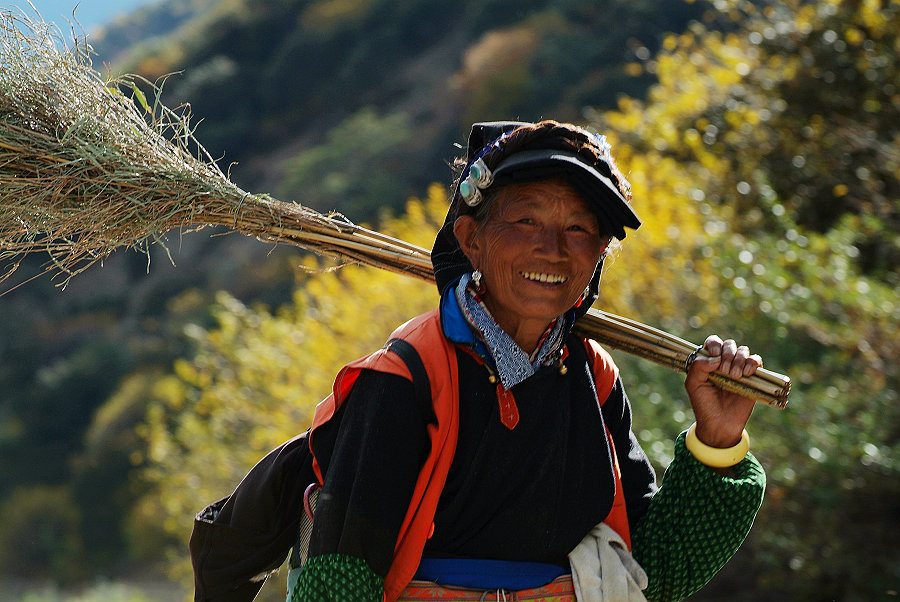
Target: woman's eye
(579,228)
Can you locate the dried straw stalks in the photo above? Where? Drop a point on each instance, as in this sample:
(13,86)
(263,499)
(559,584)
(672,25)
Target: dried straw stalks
(88,165)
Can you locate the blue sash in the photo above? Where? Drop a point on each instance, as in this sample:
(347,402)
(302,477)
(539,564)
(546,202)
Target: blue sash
(476,573)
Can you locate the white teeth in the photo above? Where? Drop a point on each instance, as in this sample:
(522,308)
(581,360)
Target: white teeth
(548,278)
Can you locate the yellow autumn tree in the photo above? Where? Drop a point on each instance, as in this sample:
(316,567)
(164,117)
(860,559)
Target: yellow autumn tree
(764,163)
(659,143)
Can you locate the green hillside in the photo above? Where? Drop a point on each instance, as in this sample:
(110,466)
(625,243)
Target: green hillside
(341,92)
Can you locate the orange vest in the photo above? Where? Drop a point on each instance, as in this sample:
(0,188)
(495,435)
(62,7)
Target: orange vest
(438,355)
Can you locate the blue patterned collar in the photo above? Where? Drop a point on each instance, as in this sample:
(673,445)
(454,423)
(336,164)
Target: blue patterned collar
(466,321)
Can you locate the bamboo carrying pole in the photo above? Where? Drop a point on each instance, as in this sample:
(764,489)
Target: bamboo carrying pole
(88,166)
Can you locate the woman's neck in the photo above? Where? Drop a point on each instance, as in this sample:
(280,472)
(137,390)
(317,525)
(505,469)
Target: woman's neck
(527,333)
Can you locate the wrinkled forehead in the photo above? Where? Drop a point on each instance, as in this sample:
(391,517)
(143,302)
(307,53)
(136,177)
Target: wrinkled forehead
(541,196)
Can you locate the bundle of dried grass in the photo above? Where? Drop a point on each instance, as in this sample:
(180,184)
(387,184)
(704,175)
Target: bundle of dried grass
(88,165)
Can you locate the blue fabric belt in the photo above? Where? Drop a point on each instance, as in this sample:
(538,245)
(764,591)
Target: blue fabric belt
(478,573)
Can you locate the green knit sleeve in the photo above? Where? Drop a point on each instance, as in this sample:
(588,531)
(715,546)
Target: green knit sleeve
(695,523)
(337,578)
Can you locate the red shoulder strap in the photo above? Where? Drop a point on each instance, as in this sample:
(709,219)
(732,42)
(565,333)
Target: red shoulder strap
(605,375)
(618,514)
(605,370)
(439,358)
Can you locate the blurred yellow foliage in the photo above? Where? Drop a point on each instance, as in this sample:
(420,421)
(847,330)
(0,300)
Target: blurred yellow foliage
(694,73)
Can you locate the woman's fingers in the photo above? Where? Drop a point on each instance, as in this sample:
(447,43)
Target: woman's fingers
(754,361)
(713,345)
(733,359)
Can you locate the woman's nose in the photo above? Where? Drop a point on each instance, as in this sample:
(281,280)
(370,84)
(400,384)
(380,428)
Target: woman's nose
(551,243)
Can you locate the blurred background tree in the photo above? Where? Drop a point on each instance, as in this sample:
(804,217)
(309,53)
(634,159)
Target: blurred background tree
(788,130)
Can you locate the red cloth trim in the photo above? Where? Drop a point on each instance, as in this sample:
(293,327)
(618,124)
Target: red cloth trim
(560,589)
(605,375)
(605,370)
(509,411)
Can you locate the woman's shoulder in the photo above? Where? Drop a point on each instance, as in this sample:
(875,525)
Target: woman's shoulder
(598,356)
(421,325)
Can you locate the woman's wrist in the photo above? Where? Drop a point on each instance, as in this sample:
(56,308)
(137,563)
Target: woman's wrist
(717,435)
(716,457)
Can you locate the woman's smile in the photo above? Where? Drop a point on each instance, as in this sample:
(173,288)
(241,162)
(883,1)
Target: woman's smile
(543,278)
(537,250)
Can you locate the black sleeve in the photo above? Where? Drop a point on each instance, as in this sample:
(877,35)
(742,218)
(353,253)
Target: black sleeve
(371,453)
(638,476)
(239,539)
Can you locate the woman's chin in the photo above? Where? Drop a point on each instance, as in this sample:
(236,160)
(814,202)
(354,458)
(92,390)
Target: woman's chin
(552,300)
(539,309)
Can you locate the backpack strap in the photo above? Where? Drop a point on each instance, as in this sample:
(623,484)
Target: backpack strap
(422,386)
(413,361)
(604,374)
(438,356)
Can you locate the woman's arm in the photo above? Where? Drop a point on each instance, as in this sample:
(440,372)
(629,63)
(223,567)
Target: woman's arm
(370,454)
(695,523)
(701,515)
(686,531)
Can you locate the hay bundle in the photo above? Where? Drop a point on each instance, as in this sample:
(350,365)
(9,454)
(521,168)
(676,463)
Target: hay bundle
(88,165)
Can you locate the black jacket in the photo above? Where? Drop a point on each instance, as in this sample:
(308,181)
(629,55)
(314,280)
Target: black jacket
(238,540)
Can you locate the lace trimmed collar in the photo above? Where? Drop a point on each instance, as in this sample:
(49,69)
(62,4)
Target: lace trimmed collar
(513,365)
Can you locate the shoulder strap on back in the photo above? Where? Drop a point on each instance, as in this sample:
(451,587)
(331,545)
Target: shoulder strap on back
(413,361)
(440,382)
(604,368)
(605,373)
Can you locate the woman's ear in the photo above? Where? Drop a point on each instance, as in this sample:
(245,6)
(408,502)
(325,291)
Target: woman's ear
(465,228)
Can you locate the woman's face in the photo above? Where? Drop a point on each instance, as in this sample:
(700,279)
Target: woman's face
(537,250)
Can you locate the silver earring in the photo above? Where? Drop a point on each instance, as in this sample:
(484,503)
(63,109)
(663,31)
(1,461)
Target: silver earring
(476,278)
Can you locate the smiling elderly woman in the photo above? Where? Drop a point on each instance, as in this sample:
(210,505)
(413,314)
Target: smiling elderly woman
(538,248)
(486,452)
(514,472)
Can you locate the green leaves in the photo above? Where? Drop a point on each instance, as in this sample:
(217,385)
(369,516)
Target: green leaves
(796,254)
(140,96)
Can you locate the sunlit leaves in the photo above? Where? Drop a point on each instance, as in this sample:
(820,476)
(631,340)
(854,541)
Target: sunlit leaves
(786,132)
